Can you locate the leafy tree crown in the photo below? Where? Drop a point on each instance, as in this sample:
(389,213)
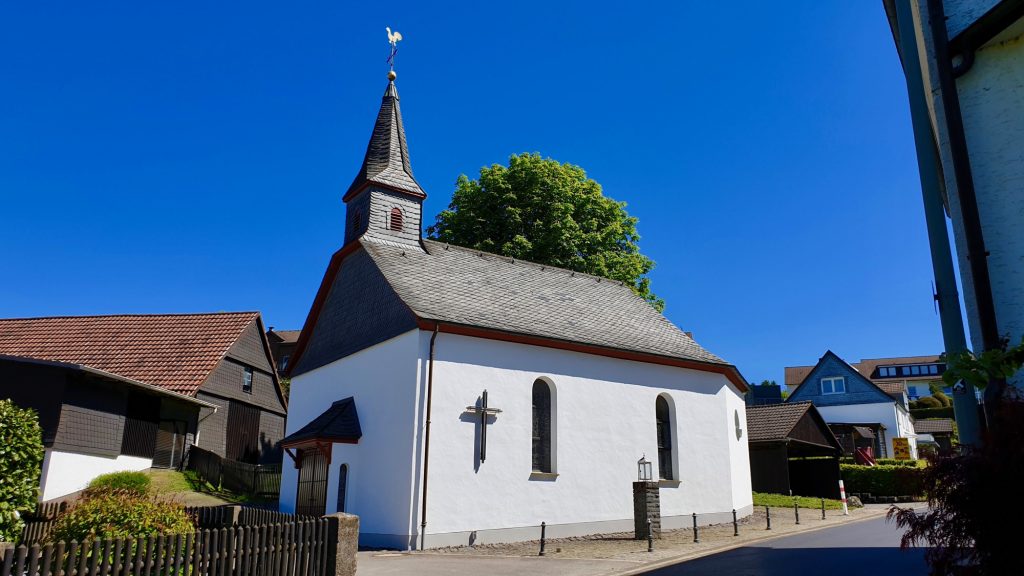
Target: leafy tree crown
(21,460)
(544,211)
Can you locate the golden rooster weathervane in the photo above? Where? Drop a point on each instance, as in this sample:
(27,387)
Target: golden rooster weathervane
(393,38)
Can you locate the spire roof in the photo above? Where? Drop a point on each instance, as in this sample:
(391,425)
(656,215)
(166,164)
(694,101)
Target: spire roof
(387,156)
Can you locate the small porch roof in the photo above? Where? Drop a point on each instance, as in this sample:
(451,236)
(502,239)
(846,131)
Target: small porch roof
(337,424)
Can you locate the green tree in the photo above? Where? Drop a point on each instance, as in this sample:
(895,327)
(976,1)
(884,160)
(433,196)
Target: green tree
(21,460)
(541,210)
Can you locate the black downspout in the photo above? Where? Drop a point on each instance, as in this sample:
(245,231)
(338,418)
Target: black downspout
(426,439)
(977,255)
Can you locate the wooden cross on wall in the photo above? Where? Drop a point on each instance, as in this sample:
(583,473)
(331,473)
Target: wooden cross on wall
(483,412)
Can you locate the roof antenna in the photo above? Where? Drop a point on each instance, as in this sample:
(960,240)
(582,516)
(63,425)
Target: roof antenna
(393,38)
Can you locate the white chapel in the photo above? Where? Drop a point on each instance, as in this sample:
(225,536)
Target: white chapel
(449,396)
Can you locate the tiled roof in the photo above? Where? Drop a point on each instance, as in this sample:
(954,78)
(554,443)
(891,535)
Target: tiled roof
(286,336)
(173,351)
(773,421)
(472,288)
(340,422)
(933,426)
(387,156)
(794,375)
(891,388)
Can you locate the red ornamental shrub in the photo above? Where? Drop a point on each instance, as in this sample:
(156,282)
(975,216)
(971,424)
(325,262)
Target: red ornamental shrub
(972,512)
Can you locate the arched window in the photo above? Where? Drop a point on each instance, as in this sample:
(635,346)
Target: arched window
(396,220)
(342,487)
(664,419)
(541,427)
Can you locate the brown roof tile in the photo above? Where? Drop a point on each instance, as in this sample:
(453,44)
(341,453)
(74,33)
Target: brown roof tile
(934,425)
(173,351)
(773,421)
(891,387)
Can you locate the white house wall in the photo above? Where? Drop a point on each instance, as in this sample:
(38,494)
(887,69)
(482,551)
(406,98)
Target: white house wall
(897,422)
(65,473)
(604,422)
(383,380)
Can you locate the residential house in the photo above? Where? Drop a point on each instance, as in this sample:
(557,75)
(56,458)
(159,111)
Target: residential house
(914,375)
(282,346)
(846,398)
(135,391)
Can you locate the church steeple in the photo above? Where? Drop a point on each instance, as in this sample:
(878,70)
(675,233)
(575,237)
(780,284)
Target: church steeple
(385,200)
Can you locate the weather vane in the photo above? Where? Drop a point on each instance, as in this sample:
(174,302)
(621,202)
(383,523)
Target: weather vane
(393,38)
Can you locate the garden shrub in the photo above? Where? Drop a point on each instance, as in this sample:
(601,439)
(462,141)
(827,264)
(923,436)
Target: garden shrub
(138,482)
(928,402)
(21,461)
(925,413)
(883,480)
(107,513)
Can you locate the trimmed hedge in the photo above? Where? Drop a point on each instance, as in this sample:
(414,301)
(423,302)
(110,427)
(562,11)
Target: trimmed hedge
(883,480)
(925,413)
(137,482)
(889,462)
(21,459)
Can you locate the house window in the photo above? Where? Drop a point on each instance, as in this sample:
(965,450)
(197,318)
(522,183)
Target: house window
(282,364)
(933,369)
(396,220)
(833,385)
(541,427)
(664,420)
(247,380)
(915,370)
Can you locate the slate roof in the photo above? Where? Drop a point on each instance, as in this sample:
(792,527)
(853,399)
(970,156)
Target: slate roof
(769,422)
(340,422)
(934,426)
(387,156)
(173,351)
(285,336)
(473,288)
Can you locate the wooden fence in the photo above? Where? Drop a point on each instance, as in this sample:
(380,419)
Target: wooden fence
(38,523)
(234,515)
(297,548)
(262,480)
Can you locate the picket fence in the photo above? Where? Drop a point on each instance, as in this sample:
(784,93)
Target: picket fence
(296,548)
(38,523)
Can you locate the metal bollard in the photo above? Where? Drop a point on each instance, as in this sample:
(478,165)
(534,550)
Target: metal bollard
(796,511)
(650,537)
(768,514)
(696,537)
(543,529)
(735,524)
(822,508)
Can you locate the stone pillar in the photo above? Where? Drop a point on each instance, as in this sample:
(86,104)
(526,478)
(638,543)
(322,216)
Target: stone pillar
(646,504)
(342,543)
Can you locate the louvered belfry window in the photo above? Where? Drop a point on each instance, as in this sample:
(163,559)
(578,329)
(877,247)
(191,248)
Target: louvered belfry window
(664,438)
(396,220)
(541,426)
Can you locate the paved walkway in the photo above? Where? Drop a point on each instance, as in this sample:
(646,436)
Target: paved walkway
(869,548)
(608,556)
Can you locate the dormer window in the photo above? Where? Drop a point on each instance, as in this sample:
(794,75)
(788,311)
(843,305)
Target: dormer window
(395,225)
(833,385)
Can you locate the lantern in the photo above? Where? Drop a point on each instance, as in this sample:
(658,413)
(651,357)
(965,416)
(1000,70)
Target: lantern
(644,470)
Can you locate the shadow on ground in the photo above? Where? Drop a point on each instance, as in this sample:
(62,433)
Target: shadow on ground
(765,561)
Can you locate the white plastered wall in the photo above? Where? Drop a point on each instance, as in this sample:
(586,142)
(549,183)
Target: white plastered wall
(65,473)
(605,421)
(896,421)
(383,379)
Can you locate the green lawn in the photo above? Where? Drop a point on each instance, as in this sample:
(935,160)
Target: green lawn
(783,501)
(185,488)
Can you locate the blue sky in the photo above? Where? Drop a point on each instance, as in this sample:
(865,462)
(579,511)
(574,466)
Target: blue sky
(190,157)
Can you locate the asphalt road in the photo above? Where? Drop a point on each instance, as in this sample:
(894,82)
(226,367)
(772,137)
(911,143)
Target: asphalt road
(869,548)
